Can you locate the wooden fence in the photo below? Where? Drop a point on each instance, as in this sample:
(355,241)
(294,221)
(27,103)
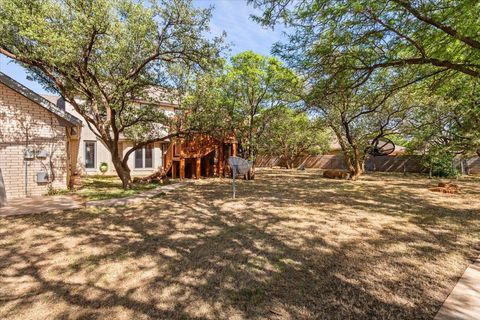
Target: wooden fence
(400,163)
(473,165)
(319,162)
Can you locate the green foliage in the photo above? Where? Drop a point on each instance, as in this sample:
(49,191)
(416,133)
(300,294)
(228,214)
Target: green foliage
(111,60)
(440,163)
(398,139)
(289,134)
(372,67)
(57,191)
(364,35)
(448,118)
(108,187)
(358,115)
(103,167)
(234,98)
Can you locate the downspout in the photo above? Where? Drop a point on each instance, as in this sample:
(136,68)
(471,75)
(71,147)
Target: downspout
(26,177)
(26,163)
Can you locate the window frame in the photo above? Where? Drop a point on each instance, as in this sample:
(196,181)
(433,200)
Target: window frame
(143,151)
(94,142)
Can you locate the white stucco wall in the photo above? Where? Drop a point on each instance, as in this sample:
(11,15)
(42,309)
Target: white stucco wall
(103,155)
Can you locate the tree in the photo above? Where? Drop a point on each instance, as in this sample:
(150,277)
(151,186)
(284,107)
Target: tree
(232,99)
(360,115)
(433,36)
(109,60)
(444,125)
(290,134)
(257,83)
(354,43)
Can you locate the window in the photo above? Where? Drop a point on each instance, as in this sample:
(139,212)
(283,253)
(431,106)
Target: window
(148,156)
(90,154)
(144,157)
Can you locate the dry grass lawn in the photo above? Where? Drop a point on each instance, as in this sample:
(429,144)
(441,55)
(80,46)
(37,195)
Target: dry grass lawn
(109,187)
(292,246)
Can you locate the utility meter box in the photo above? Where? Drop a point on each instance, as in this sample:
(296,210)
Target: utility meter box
(42,153)
(42,177)
(28,154)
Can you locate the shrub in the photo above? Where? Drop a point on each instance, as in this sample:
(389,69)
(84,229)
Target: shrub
(57,191)
(440,164)
(103,167)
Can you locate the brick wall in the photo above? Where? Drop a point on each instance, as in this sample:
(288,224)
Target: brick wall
(24,123)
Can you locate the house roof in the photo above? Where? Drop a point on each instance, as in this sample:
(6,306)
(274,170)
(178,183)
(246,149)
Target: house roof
(38,99)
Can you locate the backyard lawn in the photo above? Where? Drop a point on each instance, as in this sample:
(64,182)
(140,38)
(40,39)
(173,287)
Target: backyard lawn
(109,187)
(291,246)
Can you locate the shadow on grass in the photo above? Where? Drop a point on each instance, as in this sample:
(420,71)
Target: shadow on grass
(109,187)
(294,246)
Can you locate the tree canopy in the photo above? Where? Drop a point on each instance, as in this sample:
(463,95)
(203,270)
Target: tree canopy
(109,59)
(290,134)
(233,99)
(433,36)
(369,66)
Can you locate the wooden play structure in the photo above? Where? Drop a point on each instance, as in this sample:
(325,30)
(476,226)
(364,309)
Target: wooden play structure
(198,155)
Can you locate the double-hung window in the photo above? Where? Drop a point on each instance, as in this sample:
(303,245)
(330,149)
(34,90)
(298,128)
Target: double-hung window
(144,157)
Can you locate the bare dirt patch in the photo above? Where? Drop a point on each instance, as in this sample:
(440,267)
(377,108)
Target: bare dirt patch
(292,246)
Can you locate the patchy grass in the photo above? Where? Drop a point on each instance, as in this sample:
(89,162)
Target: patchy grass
(109,187)
(291,246)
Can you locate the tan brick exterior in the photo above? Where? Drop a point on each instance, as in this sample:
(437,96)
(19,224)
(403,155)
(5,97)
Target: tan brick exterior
(23,123)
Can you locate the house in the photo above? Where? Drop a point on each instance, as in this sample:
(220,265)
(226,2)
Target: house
(193,156)
(92,151)
(36,142)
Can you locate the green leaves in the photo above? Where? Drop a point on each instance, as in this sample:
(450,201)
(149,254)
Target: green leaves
(112,60)
(289,133)
(234,98)
(371,64)
(364,35)
(106,54)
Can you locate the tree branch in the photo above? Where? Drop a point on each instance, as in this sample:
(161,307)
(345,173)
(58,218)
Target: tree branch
(418,61)
(447,29)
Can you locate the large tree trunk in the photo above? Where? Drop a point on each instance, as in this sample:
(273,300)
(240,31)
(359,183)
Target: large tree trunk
(288,162)
(123,172)
(357,169)
(355,164)
(251,173)
(355,160)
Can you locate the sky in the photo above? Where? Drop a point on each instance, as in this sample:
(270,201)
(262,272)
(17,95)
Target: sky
(231,16)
